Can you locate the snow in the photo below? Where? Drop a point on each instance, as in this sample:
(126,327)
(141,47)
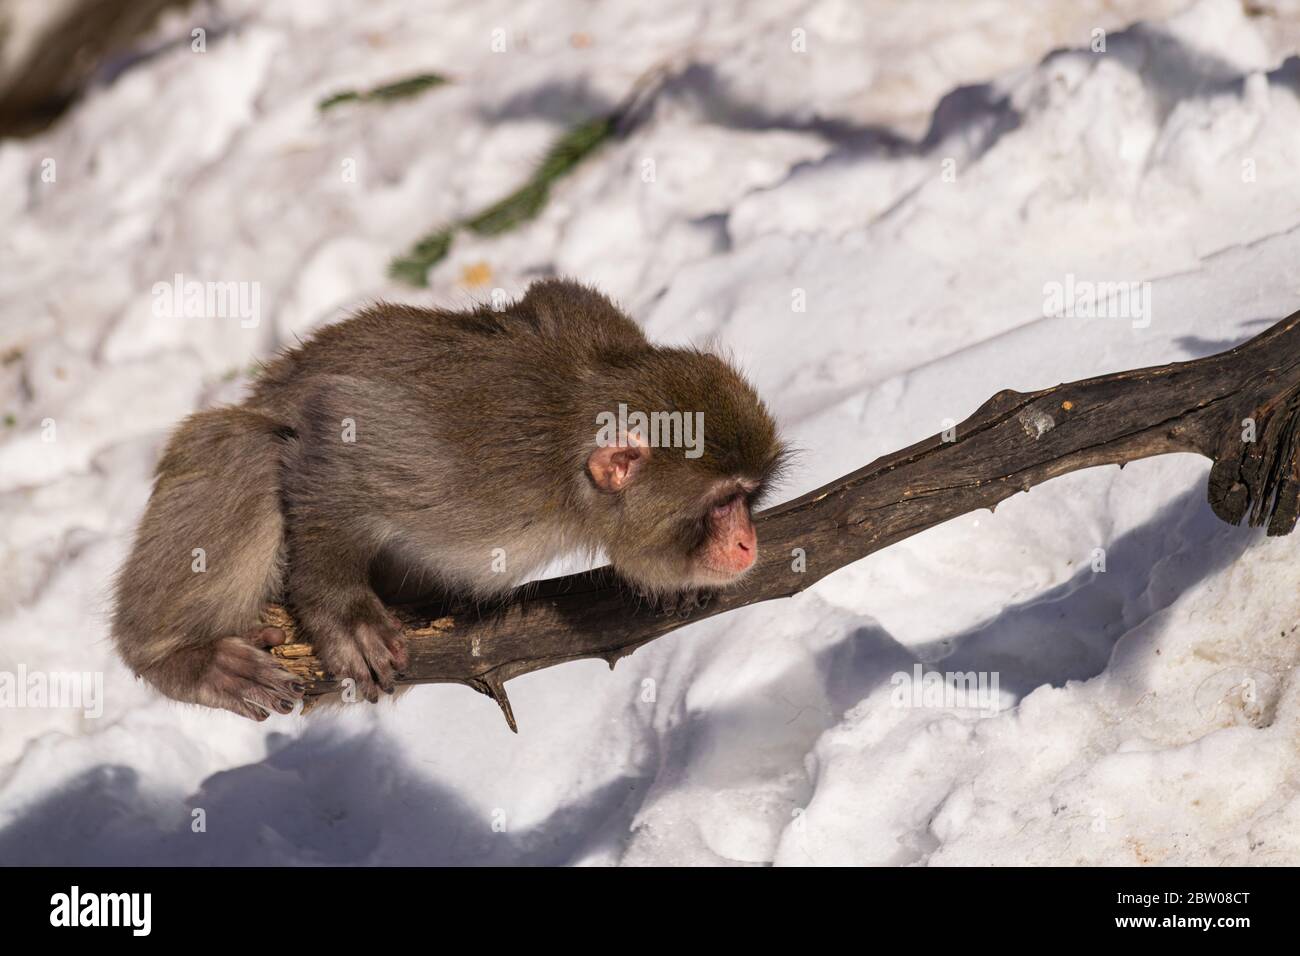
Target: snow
(915,178)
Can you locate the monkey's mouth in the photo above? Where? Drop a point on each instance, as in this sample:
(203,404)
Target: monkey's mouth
(713,575)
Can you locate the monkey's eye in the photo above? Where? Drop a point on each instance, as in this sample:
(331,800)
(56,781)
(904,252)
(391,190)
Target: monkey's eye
(722,508)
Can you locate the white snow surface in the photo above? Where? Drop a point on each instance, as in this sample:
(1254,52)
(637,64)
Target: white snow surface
(917,175)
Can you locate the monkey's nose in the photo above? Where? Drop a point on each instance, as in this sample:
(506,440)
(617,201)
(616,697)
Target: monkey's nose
(744,550)
(734,544)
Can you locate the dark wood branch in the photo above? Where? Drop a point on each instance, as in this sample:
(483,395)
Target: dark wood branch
(1238,408)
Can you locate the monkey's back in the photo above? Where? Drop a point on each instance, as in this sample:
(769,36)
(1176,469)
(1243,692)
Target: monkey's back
(460,422)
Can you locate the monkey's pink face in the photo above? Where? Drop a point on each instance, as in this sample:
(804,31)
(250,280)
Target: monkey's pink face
(674,539)
(730,545)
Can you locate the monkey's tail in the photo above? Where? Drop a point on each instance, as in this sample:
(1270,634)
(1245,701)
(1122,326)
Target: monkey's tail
(210,550)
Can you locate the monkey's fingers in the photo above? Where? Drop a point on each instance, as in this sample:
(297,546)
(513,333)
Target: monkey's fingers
(384,650)
(248,681)
(684,603)
(371,653)
(704,597)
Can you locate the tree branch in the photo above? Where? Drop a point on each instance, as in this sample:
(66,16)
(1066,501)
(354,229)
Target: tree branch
(1238,408)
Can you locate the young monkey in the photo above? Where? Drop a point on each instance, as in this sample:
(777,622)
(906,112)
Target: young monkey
(405,446)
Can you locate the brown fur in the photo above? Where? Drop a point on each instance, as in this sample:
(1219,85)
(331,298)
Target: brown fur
(472,433)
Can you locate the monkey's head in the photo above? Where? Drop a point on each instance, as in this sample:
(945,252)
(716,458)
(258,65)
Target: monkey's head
(683,451)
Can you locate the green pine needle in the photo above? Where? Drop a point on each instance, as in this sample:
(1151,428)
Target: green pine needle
(401,89)
(519,207)
(530,199)
(338,98)
(413,268)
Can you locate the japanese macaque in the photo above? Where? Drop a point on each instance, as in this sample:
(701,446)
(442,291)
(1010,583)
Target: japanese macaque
(458,452)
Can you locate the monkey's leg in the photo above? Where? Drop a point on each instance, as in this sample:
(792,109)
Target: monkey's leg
(353,633)
(207,558)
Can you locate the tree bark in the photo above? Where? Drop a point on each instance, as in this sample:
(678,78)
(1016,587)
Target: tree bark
(1238,408)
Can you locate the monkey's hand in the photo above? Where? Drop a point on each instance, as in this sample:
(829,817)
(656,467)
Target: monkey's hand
(357,639)
(682,603)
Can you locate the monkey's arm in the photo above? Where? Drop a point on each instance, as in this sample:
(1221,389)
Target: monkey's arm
(1240,408)
(330,539)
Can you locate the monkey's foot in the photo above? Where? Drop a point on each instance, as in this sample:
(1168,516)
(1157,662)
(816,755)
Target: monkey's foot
(367,648)
(234,673)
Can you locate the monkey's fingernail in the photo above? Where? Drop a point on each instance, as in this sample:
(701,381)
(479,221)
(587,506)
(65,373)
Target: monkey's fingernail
(285,706)
(390,689)
(298,688)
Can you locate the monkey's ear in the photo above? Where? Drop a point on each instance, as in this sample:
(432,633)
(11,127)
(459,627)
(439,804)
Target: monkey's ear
(612,467)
